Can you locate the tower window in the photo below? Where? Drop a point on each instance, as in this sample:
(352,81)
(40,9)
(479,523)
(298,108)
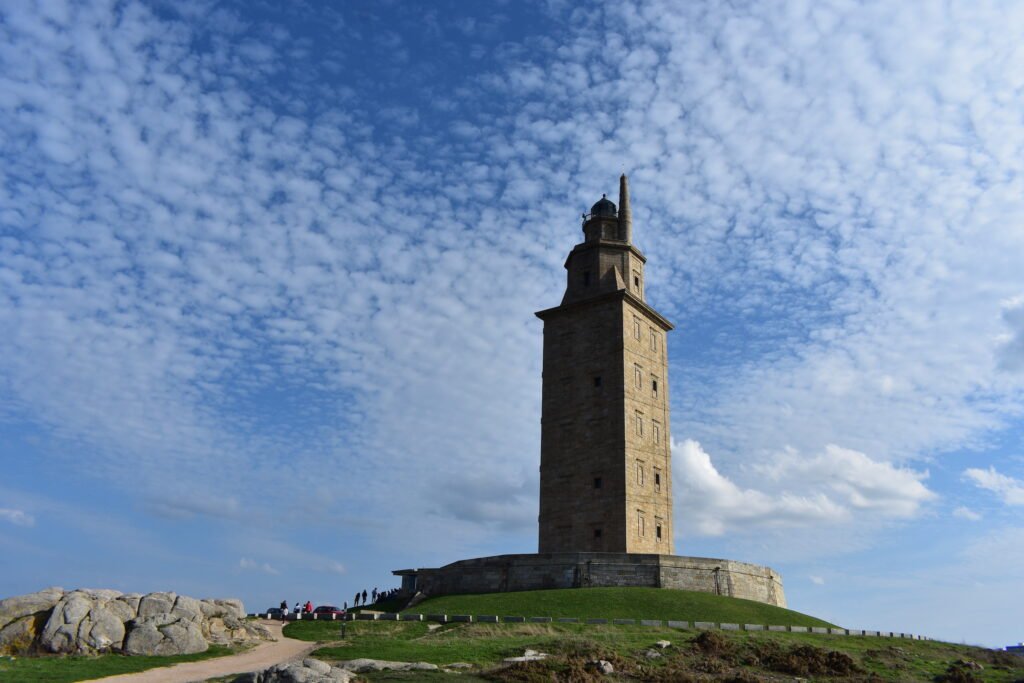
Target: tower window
(654,387)
(640,523)
(638,376)
(640,474)
(636,327)
(657,431)
(654,340)
(657,532)
(597,380)
(657,481)
(597,482)
(639,424)
(636,281)
(597,533)
(586,278)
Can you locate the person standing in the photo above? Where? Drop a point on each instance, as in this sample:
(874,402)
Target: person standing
(364,596)
(309,607)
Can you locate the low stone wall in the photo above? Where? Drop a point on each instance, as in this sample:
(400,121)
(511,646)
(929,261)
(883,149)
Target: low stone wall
(504,573)
(685,625)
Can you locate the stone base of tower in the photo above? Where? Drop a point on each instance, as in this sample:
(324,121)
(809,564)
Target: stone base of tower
(506,573)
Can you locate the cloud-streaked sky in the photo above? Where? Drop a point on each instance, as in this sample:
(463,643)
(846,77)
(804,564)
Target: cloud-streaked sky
(268,274)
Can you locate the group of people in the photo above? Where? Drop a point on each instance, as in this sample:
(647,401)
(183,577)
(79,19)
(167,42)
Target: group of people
(299,609)
(362,597)
(375,594)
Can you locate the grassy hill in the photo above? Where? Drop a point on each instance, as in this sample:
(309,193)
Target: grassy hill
(618,603)
(739,657)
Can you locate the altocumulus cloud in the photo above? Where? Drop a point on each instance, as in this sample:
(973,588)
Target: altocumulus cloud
(1011,351)
(218,249)
(248,564)
(964,512)
(17,517)
(836,485)
(828,184)
(1008,489)
(189,234)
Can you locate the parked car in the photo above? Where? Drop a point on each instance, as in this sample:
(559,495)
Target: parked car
(275,613)
(325,610)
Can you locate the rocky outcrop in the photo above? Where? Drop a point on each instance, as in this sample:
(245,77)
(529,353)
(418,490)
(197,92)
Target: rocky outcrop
(308,671)
(90,621)
(314,671)
(374,665)
(81,622)
(23,617)
(164,634)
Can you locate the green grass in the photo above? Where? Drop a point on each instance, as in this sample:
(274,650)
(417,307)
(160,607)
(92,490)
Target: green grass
(618,603)
(58,669)
(571,645)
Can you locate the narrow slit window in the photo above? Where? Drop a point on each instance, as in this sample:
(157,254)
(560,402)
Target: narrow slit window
(636,327)
(639,424)
(657,532)
(636,281)
(597,381)
(638,375)
(597,482)
(657,481)
(654,387)
(654,340)
(656,428)
(640,523)
(639,474)
(597,533)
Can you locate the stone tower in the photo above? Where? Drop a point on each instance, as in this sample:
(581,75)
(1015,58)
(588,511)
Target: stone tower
(605,467)
(605,464)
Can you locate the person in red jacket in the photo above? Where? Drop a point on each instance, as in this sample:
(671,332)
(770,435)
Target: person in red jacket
(309,607)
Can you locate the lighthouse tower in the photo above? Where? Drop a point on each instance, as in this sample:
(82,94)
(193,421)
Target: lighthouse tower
(605,470)
(605,458)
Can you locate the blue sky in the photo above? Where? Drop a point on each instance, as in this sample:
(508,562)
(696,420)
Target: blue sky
(268,274)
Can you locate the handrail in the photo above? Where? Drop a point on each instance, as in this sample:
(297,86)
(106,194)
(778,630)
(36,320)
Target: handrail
(588,216)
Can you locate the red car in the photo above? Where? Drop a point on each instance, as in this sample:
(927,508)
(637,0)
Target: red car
(328,610)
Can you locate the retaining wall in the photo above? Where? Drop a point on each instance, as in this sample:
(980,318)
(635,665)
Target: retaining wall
(687,625)
(539,571)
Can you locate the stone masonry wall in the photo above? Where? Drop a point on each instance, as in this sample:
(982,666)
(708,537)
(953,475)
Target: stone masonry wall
(648,459)
(582,431)
(541,571)
(605,475)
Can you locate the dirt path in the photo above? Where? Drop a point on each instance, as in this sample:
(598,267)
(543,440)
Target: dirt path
(259,658)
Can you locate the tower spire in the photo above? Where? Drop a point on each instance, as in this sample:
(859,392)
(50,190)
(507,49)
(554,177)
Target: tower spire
(625,215)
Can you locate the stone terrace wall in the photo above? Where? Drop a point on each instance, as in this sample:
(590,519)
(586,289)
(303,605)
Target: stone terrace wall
(502,573)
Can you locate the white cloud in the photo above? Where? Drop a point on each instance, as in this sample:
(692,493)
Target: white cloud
(962,512)
(817,580)
(331,567)
(1011,350)
(831,206)
(187,506)
(1009,490)
(17,517)
(252,565)
(837,486)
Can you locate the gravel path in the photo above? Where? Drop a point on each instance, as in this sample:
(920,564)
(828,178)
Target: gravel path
(260,657)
